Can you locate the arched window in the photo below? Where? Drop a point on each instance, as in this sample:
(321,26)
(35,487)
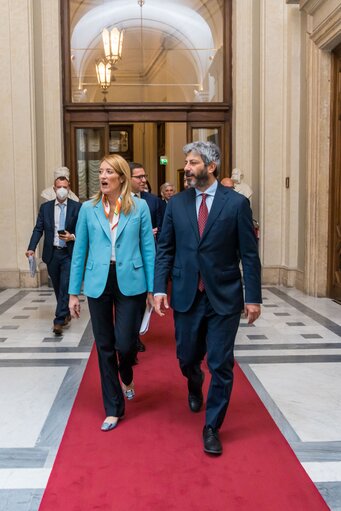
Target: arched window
(170,51)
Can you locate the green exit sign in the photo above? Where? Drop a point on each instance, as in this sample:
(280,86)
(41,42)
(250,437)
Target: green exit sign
(163,160)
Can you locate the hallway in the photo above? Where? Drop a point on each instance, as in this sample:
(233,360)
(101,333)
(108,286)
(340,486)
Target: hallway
(295,336)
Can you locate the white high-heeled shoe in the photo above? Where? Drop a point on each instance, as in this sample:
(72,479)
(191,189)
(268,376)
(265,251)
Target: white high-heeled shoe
(108,426)
(129,390)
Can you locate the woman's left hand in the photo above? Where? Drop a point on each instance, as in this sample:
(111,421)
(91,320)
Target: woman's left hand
(150,300)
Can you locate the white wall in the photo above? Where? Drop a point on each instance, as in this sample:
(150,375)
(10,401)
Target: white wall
(266,125)
(17,138)
(31,127)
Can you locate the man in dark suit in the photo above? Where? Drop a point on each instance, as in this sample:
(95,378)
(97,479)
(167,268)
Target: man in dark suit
(167,190)
(138,183)
(206,230)
(57,220)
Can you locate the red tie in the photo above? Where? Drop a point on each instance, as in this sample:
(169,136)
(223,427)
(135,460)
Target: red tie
(202,219)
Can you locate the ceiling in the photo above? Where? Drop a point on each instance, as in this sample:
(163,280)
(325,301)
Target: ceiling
(165,43)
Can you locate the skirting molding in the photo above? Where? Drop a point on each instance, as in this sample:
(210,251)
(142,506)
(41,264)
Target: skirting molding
(9,278)
(277,275)
(22,279)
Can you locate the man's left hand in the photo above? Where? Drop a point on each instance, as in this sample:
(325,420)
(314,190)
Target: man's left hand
(252,312)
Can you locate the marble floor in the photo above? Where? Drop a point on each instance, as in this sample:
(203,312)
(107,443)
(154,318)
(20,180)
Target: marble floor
(292,357)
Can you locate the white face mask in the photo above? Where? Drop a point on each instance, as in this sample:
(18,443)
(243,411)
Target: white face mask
(62,193)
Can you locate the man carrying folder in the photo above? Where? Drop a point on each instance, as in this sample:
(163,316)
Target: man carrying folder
(57,221)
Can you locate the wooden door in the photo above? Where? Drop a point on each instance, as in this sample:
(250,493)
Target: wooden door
(161,151)
(335,183)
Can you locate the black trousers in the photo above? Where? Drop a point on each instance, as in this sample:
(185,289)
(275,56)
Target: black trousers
(116,322)
(201,330)
(59,271)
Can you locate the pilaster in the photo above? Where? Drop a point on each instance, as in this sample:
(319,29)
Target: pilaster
(318,126)
(17,139)
(48,76)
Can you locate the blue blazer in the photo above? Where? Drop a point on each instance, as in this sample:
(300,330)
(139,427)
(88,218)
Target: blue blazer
(135,251)
(227,238)
(45,225)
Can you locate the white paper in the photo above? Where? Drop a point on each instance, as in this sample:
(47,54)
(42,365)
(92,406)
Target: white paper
(146,319)
(32,265)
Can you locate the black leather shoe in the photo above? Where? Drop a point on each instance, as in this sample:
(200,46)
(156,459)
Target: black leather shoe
(212,444)
(140,346)
(195,402)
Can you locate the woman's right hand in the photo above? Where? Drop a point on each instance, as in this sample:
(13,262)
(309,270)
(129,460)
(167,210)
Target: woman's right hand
(74,306)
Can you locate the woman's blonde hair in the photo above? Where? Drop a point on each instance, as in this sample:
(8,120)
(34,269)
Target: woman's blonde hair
(121,167)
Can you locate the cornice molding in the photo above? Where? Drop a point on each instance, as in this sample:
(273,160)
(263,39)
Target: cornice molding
(328,31)
(310,6)
(327,34)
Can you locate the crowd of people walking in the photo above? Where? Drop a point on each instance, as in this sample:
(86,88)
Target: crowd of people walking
(121,248)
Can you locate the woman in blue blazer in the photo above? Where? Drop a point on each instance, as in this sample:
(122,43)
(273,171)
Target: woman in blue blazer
(114,252)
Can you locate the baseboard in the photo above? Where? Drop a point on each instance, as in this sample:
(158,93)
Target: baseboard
(281,276)
(22,279)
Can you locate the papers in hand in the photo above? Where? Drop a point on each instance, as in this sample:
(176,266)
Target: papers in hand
(32,265)
(146,319)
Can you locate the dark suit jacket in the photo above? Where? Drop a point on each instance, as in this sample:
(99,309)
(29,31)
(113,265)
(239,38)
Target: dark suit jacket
(163,208)
(45,224)
(154,204)
(227,238)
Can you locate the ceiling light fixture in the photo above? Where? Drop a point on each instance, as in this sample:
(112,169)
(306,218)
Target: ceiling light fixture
(112,44)
(103,70)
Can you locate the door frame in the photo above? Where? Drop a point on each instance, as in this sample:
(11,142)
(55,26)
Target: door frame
(334,245)
(207,114)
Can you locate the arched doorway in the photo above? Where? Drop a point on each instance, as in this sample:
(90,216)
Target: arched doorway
(174,73)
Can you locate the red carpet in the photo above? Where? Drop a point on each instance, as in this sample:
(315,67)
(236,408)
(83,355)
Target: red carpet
(154,459)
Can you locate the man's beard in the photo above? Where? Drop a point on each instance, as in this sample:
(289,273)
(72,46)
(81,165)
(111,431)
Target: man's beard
(199,180)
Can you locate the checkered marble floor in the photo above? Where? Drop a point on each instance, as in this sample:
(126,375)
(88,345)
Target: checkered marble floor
(291,356)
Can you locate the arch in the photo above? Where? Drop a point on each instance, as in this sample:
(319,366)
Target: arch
(166,19)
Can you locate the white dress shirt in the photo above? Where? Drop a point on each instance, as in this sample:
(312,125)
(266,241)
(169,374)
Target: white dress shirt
(56,221)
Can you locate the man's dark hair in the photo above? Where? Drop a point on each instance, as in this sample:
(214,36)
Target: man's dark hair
(134,165)
(61,178)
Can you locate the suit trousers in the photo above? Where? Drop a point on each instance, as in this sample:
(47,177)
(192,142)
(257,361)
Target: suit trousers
(59,271)
(116,321)
(201,330)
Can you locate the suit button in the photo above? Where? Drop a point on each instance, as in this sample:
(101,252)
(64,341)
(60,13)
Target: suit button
(118,246)
(119,264)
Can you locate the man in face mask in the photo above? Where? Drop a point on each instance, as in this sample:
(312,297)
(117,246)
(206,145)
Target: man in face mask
(57,221)
(50,193)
